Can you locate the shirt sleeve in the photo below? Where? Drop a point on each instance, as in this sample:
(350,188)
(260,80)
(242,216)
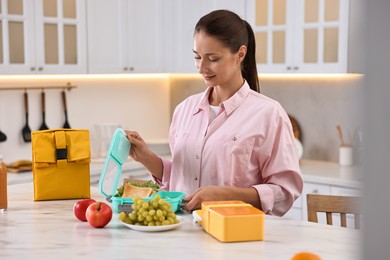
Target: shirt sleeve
(279,194)
(280,172)
(164,182)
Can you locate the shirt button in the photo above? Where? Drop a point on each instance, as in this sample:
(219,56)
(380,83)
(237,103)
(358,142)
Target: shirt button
(196,178)
(197,156)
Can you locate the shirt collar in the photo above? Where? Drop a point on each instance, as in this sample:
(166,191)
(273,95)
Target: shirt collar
(229,105)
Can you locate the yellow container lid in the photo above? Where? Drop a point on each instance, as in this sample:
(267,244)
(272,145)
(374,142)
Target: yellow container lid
(237,211)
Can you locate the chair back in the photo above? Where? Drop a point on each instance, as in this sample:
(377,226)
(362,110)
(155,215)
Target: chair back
(329,204)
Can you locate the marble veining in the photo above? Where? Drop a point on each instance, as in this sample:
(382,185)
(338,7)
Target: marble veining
(48,230)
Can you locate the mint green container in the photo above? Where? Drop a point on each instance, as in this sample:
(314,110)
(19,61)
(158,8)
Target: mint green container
(117,155)
(173,197)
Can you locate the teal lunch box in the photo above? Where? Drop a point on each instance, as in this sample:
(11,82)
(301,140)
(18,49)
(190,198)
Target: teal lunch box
(117,155)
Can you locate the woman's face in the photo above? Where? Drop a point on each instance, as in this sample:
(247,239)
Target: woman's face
(215,62)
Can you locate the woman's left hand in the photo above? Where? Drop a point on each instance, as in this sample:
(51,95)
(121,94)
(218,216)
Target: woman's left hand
(210,193)
(218,193)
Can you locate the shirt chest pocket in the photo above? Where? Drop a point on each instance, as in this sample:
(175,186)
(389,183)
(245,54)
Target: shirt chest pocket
(237,150)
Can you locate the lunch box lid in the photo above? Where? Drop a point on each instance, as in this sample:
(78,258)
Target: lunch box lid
(117,155)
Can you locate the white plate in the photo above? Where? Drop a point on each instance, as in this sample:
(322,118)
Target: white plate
(155,228)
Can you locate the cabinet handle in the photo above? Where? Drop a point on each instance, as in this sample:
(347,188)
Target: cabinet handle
(296,68)
(288,68)
(314,191)
(32,69)
(40,68)
(131,68)
(125,68)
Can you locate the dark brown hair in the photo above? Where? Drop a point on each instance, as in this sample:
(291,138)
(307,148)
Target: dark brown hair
(233,32)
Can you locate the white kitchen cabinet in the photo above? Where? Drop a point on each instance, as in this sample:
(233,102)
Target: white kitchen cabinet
(125,36)
(303,36)
(42,36)
(180,29)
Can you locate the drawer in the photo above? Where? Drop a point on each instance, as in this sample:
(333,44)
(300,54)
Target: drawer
(336,190)
(315,188)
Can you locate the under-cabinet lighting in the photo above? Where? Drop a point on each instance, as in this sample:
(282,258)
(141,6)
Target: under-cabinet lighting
(166,75)
(308,75)
(87,76)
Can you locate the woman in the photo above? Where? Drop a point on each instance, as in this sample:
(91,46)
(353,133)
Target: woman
(230,142)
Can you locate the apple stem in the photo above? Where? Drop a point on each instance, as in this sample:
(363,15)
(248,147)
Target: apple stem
(100,205)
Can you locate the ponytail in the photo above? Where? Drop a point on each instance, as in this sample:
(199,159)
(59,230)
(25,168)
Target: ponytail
(249,69)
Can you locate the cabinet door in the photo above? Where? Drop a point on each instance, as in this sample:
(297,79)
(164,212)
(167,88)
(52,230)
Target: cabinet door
(60,36)
(16,36)
(296,210)
(321,35)
(300,36)
(273,24)
(180,29)
(106,42)
(145,35)
(125,36)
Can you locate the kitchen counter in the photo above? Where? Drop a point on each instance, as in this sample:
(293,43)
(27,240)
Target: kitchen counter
(48,230)
(312,171)
(331,173)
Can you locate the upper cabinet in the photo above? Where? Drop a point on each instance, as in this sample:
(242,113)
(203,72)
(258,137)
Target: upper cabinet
(135,36)
(125,36)
(182,18)
(303,36)
(42,36)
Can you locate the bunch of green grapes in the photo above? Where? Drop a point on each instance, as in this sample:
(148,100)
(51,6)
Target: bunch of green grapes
(155,212)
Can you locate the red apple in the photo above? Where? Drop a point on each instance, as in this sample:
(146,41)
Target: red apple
(80,208)
(98,214)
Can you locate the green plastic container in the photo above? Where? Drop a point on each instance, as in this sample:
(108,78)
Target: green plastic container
(112,170)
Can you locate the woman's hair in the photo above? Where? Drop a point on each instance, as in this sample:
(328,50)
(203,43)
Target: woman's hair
(233,32)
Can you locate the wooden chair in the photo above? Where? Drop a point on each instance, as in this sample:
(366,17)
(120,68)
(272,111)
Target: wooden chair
(333,204)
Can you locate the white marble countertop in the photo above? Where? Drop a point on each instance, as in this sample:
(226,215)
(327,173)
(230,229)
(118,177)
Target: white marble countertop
(48,230)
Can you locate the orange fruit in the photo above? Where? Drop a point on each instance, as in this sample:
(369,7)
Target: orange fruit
(305,256)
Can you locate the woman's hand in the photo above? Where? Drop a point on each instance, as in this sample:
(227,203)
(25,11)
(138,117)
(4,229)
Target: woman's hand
(210,193)
(140,152)
(139,149)
(218,193)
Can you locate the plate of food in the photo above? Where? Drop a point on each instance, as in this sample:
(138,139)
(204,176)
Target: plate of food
(155,228)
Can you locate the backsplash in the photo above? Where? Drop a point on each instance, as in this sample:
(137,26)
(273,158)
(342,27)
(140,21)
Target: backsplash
(146,103)
(140,104)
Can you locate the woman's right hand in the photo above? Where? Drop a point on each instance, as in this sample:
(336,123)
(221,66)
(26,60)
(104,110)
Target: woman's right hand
(138,149)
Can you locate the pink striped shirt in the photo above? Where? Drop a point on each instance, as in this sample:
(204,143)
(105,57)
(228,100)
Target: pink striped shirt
(249,144)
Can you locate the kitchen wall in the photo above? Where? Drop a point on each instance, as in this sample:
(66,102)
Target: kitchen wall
(145,103)
(135,103)
(318,104)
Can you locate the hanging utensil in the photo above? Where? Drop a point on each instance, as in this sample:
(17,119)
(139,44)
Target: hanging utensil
(66,124)
(43,125)
(26,131)
(3,137)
